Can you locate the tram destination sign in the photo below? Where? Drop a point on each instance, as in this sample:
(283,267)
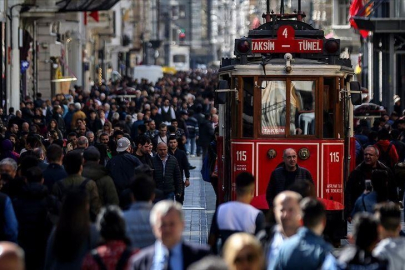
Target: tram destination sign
(286,42)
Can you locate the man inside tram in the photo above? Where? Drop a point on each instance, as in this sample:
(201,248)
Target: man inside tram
(286,175)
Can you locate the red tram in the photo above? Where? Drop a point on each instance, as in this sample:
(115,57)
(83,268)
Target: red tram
(287,87)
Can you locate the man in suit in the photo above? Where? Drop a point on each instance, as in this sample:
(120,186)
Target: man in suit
(169,250)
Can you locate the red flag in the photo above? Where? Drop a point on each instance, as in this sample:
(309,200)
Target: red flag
(357,9)
(94,15)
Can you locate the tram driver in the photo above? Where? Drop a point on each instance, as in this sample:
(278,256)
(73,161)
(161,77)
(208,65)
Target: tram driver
(286,175)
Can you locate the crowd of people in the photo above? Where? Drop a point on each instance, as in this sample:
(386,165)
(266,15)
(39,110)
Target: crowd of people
(96,180)
(65,162)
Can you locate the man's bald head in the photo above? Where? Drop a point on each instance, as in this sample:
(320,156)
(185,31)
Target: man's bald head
(287,195)
(11,256)
(287,211)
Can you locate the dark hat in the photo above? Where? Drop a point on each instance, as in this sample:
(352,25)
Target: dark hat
(91,154)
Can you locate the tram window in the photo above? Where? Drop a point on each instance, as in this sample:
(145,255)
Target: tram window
(247,113)
(273,108)
(328,127)
(302,115)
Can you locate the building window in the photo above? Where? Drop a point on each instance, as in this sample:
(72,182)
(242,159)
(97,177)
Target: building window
(182,11)
(343,12)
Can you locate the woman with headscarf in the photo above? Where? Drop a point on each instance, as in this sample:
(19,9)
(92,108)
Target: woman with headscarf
(7,150)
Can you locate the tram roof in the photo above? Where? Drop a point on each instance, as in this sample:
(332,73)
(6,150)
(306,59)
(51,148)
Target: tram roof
(276,67)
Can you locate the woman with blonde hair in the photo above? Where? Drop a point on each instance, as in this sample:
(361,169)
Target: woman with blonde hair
(107,128)
(243,251)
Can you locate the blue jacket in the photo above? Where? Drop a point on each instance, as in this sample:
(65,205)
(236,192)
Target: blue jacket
(305,250)
(52,174)
(192,127)
(368,201)
(8,220)
(138,226)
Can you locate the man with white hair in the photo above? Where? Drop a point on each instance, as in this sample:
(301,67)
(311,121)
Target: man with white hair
(107,111)
(8,166)
(82,144)
(79,114)
(169,250)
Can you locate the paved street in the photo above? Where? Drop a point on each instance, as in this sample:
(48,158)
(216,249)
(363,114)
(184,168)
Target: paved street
(199,206)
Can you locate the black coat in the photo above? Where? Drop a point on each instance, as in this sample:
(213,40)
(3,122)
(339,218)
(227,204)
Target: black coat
(356,184)
(122,169)
(33,209)
(181,157)
(191,253)
(53,173)
(278,180)
(170,180)
(206,133)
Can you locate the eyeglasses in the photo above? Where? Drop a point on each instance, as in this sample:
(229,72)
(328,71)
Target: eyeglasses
(367,154)
(250,257)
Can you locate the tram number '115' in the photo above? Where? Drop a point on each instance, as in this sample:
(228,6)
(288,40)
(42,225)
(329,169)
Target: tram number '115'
(241,156)
(334,156)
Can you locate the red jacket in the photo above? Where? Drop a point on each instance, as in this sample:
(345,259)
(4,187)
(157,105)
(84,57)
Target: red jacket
(383,145)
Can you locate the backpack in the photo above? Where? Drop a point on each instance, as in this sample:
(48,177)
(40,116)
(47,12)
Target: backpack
(64,190)
(120,263)
(385,155)
(206,169)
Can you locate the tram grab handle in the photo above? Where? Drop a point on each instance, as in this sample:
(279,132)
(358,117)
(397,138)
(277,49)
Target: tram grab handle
(229,90)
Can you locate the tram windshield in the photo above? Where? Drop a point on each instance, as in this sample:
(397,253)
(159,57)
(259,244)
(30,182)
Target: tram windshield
(300,116)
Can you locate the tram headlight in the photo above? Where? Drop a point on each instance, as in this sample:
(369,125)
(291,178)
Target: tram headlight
(271,153)
(243,46)
(331,46)
(303,153)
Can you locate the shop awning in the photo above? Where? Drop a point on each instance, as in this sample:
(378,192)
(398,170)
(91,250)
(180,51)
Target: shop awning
(381,25)
(85,5)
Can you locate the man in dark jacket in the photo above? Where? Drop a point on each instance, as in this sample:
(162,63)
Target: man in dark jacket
(73,163)
(93,170)
(193,133)
(33,209)
(93,123)
(206,134)
(134,127)
(283,177)
(167,174)
(356,183)
(55,171)
(181,157)
(142,150)
(122,166)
